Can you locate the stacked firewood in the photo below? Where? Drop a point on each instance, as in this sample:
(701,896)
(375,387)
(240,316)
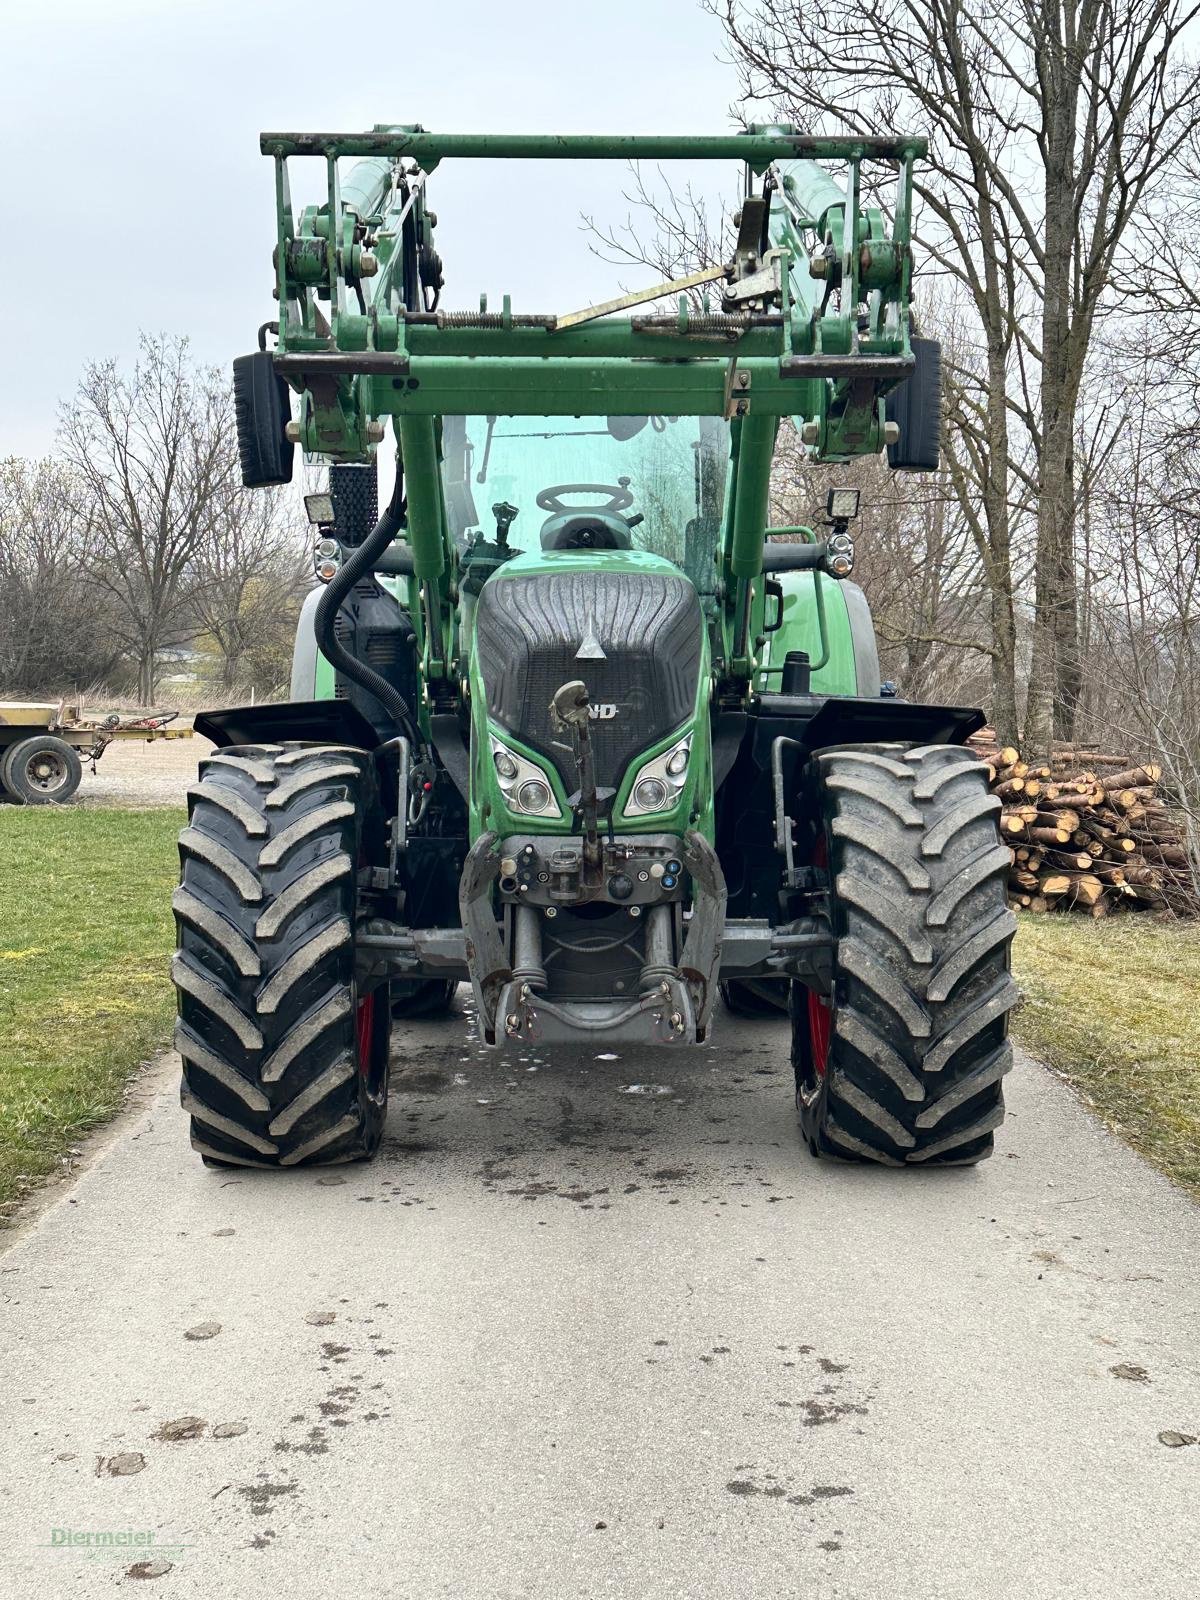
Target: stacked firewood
(1088,832)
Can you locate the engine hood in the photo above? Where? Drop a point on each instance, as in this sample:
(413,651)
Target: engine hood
(631,628)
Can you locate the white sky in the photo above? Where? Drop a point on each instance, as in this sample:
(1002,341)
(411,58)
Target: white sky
(136,198)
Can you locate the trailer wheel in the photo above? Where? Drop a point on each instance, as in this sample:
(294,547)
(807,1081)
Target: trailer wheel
(903,1063)
(42,771)
(285,1063)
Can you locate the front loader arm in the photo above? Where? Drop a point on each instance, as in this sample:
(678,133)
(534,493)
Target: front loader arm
(813,324)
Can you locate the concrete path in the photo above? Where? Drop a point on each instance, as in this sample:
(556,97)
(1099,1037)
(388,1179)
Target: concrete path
(565,1341)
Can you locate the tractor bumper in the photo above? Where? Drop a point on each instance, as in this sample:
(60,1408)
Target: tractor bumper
(670,990)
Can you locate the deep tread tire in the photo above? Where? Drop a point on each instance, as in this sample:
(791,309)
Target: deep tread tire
(41,771)
(284,1063)
(918,1044)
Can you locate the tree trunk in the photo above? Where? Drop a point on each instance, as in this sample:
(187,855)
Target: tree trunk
(1055,672)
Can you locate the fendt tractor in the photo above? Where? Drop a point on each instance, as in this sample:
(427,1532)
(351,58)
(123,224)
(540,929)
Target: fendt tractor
(569,720)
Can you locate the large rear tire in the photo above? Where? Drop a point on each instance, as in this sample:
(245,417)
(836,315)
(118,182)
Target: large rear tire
(904,1063)
(284,1062)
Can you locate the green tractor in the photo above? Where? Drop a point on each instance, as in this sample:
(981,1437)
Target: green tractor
(569,720)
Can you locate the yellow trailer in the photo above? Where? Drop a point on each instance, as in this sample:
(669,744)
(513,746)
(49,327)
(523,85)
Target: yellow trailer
(43,745)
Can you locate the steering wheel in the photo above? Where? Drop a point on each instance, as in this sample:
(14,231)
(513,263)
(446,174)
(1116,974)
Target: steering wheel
(620,498)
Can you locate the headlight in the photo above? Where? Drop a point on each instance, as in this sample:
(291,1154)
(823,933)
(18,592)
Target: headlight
(525,786)
(660,782)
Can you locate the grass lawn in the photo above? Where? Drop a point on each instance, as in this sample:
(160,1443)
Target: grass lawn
(85,940)
(1115,1007)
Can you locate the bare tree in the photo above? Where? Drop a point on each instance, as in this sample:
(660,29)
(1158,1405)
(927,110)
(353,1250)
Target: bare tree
(248,584)
(916,562)
(55,629)
(1142,664)
(154,457)
(1049,125)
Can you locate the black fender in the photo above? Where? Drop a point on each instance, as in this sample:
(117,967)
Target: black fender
(818,722)
(308,721)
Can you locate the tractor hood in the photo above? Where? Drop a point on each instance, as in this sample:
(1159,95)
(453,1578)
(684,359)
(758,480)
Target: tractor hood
(629,625)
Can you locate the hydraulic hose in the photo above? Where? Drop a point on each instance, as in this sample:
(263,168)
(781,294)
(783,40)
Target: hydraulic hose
(362,561)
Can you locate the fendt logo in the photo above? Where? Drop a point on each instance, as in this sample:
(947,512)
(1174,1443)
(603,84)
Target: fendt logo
(598,712)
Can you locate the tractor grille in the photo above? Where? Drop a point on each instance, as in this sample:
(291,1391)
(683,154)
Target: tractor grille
(633,637)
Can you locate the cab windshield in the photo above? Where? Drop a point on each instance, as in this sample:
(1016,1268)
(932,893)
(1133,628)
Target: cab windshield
(667,475)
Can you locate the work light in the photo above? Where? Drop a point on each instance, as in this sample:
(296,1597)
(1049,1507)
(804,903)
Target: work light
(842,505)
(319,508)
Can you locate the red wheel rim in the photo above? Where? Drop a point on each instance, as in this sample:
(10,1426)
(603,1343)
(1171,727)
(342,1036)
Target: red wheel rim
(364,1019)
(820,1026)
(820,1016)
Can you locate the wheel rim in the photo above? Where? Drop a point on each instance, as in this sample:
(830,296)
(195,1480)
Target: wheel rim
(364,1025)
(45,772)
(810,1079)
(820,1026)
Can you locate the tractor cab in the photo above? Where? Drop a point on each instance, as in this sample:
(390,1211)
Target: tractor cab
(580,484)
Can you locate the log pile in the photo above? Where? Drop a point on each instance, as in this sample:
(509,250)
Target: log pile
(1089,832)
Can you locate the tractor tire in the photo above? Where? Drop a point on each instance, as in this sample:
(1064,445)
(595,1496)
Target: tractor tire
(284,1062)
(42,771)
(755,997)
(413,998)
(904,1062)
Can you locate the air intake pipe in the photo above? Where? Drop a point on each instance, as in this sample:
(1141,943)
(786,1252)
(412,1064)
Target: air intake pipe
(360,564)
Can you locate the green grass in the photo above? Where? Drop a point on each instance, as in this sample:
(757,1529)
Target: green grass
(1115,1007)
(85,995)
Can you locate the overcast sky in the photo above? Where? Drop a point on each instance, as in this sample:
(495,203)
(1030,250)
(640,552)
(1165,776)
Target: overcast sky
(136,197)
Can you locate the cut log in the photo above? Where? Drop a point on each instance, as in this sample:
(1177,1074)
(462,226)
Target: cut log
(1084,888)
(1134,777)
(1018,769)
(1050,836)
(1113,876)
(1054,884)
(1010,788)
(1070,861)
(1065,821)
(1075,758)
(1143,877)
(1171,855)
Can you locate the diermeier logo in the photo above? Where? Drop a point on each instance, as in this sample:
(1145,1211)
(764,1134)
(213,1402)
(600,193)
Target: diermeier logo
(98,1543)
(601,712)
